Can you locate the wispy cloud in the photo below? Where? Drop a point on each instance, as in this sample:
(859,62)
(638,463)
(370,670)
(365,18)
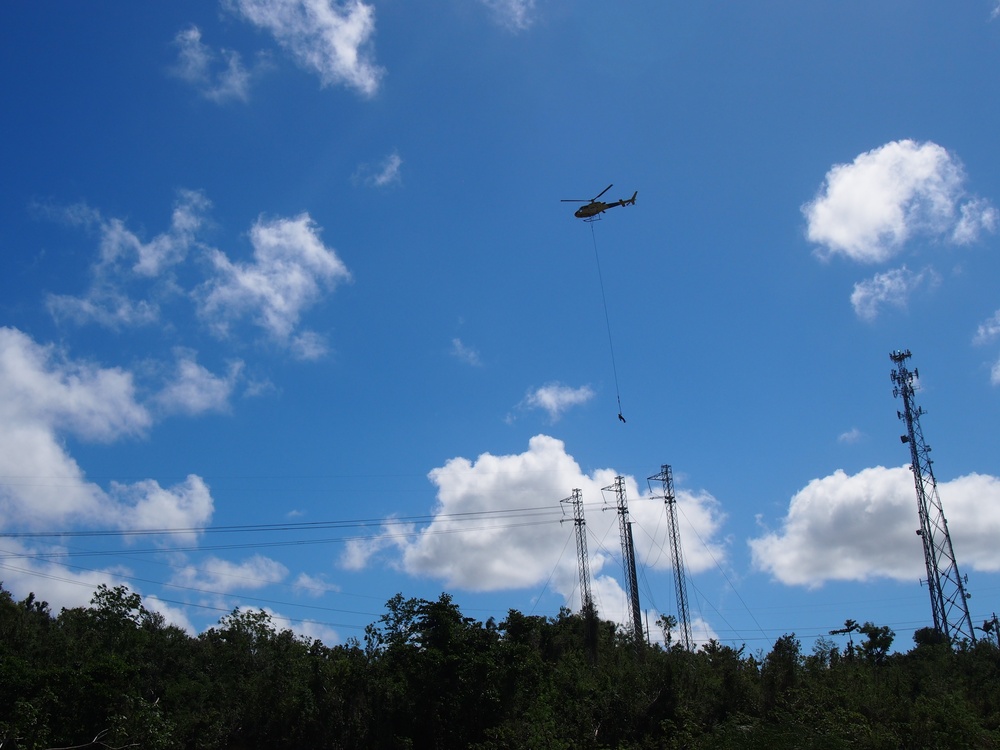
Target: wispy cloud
(892,287)
(314,586)
(516,15)
(193,389)
(465,354)
(132,279)
(381,174)
(290,268)
(988,330)
(850,437)
(331,39)
(126,263)
(555,398)
(219,77)
(223,576)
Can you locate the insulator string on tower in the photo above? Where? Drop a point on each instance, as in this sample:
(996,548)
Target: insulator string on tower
(607,321)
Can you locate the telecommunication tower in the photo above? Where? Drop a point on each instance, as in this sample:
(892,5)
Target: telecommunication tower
(949,600)
(676,557)
(628,557)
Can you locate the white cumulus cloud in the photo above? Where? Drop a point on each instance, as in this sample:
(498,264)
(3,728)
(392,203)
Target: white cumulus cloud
(24,566)
(45,396)
(868,209)
(862,527)
(146,505)
(497,526)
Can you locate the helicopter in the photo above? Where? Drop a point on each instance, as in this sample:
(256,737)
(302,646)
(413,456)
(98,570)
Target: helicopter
(594,207)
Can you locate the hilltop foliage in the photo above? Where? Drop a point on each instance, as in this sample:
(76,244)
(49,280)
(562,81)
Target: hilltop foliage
(425,676)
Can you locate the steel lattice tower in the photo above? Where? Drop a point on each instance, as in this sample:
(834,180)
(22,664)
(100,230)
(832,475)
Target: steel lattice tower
(676,557)
(587,608)
(586,600)
(949,605)
(628,557)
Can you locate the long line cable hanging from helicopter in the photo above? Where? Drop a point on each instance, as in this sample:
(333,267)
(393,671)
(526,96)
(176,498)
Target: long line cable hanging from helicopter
(607,321)
(591,212)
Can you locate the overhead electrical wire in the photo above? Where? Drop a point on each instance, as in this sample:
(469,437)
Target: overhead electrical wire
(197,590)
(89,584)
(530,516)
(536,511)
(548,580)
(290,543)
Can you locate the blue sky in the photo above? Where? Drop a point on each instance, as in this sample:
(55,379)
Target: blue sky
(292,281)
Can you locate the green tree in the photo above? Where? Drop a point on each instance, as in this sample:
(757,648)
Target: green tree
(780,674)
(878,641)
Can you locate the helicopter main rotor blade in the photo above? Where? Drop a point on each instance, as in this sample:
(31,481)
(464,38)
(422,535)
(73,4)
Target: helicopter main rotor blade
(574,200)
(603,191)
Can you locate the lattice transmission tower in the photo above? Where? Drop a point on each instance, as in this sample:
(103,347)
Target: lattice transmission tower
(587,608)
(583,560)
(949,600)
(628,557)
(676,556)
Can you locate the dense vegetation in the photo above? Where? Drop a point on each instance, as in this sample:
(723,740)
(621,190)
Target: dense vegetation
(425,676)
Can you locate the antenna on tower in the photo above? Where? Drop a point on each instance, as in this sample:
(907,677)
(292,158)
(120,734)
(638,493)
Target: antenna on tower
(676,557)
(949,600)
(586,600)
(628,557)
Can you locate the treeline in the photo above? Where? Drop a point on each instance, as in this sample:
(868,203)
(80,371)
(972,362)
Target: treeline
(116,675)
